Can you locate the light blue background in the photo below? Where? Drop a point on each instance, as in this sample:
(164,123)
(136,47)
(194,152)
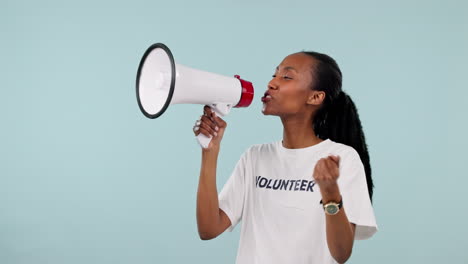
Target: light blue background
(86,178)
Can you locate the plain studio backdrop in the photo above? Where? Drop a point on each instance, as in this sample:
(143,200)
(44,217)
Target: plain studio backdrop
(86,178)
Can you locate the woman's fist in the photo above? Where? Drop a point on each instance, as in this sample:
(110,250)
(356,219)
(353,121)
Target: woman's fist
(326,173)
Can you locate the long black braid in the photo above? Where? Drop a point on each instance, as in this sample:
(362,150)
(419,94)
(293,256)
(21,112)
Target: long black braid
(338,118)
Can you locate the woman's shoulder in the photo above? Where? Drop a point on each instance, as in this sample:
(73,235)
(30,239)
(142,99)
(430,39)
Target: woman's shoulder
(345,151)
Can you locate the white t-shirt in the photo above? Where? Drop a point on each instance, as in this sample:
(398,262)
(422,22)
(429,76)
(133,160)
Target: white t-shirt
(272,191)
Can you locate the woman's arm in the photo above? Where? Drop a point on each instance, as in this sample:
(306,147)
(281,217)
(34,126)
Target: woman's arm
(211,220)
(340,232)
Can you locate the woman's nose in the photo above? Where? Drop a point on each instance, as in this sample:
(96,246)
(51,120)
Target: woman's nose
(273,84)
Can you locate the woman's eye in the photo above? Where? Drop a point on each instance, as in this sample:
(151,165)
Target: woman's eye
(284,77)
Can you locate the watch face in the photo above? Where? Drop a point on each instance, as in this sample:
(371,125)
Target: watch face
(331,209)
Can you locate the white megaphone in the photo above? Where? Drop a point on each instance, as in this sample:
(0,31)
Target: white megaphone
(161,82)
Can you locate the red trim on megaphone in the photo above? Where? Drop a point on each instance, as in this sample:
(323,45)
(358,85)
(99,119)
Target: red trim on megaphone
(247,93)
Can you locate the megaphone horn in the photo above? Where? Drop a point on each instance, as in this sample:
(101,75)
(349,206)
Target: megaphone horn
(161,82)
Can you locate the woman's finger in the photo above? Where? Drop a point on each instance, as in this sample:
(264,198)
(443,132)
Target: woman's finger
(336,159)
(318,170)
(203,131)
(332,169)
(196,129)
(209,122)
(219,121)
(207,110)
(213,117)
(207,127)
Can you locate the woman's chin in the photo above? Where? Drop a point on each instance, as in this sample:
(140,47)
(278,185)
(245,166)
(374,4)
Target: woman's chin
(266,112)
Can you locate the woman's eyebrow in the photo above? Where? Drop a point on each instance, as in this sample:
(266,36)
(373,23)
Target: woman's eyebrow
(287,68)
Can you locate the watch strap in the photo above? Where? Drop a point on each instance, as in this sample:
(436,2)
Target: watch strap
(340,203)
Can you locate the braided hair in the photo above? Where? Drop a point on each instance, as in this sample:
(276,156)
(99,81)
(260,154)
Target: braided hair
(338,118)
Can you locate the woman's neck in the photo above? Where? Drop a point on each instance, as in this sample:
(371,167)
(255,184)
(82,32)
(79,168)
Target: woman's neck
(298,133)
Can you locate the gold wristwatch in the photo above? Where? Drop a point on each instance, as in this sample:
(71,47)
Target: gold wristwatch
(332,208)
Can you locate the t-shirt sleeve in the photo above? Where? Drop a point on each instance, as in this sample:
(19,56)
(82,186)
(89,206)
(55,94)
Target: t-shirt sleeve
(231,197)
(356,201)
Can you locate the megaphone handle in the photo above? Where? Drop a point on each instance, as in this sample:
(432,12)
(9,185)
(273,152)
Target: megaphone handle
(203,140)
(220,110)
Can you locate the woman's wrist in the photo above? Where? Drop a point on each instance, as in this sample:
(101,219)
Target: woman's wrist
(214,151)
(330,193)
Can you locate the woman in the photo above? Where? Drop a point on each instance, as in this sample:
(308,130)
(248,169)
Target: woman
(303,199)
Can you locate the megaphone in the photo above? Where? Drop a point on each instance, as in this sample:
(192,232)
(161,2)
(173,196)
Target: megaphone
(161,82)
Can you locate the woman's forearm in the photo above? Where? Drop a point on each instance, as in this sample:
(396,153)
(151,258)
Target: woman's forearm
(207,196)
(340,232)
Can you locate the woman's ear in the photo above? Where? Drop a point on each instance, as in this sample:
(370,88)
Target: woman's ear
(316,97)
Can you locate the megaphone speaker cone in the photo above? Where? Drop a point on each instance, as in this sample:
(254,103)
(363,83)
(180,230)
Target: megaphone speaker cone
(155,81)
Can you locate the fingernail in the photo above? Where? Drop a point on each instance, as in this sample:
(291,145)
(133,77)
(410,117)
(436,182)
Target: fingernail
(217,128)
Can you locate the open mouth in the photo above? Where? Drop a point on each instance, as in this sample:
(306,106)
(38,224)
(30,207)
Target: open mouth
(266,97)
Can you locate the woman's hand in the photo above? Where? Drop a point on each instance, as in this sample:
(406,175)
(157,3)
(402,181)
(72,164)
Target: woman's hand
(211,125)
(326,173)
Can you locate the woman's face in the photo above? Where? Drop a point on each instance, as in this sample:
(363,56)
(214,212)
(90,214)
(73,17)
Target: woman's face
(289,91)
